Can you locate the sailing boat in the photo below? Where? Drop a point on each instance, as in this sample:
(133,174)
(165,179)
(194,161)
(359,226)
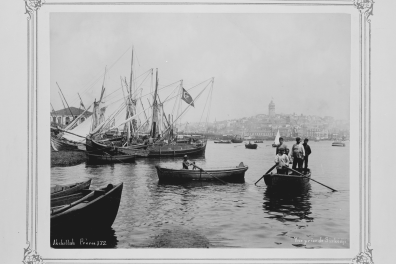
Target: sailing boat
(276,141)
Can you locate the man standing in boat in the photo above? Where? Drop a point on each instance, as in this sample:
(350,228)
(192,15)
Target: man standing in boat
(282,162)
(298,154)
(280,145)
(308,151)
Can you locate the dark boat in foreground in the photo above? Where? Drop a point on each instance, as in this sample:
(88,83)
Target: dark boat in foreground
(229,174)
(107,158)
(287,180)
(251,146)
(62,190)
(98,208)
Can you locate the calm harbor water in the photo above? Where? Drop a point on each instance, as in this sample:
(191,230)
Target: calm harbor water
(233,215)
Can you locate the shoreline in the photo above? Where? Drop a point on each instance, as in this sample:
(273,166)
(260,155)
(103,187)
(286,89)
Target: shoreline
(67,158)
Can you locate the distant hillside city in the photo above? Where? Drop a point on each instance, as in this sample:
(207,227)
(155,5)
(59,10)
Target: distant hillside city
(261,126)
(266,126)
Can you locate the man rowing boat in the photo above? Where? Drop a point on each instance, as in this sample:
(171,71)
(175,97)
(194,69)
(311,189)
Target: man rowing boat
(187,163)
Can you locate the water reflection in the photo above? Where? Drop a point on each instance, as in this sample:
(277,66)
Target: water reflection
(291,205)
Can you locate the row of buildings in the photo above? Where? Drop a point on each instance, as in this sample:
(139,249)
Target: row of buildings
(266,126)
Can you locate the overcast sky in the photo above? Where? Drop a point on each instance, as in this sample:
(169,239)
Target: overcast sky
(302,61)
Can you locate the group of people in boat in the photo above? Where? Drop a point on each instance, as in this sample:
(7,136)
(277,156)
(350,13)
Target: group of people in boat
(298,156)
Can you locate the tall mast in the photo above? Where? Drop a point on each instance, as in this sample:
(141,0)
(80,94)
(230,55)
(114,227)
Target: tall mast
(65,100)
(155,112)
(81,101)
(131,77)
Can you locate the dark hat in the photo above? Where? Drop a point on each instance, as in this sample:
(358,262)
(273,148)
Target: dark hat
(281,148)
(306,139)
(298,138)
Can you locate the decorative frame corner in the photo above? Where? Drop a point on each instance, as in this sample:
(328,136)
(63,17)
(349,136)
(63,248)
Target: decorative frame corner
(31,256)
(32,6)
(365,257)
(365,7)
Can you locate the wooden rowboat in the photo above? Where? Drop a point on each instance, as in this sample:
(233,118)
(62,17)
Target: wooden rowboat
(106,158)
(223,142)
(251,146)
(62,190)
(338,144)
(99,208)
(287,180)
(230,174)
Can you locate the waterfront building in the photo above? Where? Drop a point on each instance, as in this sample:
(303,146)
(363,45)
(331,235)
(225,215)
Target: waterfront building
(63,117)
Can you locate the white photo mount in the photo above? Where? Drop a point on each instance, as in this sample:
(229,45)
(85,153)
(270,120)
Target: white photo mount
(34,254)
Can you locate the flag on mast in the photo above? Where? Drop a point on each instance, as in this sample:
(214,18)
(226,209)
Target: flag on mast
(187,98)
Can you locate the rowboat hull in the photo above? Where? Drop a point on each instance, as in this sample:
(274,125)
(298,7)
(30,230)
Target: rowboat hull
(104,159)
(234,140)
(286,181)
(233,174)
(222,142)
(63,190)
(251,146)
(100,210)
(338,144)
(177,150)
(168,150)
(63,145)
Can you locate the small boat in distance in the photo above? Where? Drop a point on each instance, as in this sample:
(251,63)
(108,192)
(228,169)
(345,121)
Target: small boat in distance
(228,174)
(258,141)
(338,144)
(62,190)
(237,139)
(276,141)
(250,146)
(222,142)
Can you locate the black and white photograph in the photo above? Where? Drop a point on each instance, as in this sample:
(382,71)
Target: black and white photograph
(197,131)
(188,130)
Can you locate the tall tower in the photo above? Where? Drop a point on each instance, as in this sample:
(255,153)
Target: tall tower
(271,109)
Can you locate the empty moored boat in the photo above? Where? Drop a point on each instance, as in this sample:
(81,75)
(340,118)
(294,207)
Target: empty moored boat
(229,174)
(338,144)
(62,190)
(98,208)
(251,146)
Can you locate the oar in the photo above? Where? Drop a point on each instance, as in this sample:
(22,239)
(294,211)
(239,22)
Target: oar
(266,173)
(209,174)
(312,179)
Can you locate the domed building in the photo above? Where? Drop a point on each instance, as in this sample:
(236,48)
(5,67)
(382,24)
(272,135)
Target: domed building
(271,109)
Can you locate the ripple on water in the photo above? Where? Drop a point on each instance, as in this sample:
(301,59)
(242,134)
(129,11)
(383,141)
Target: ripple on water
(232,215)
